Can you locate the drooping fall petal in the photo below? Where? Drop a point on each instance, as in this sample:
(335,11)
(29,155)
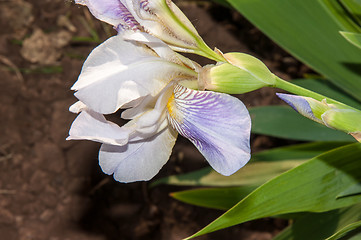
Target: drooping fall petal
(217,124)
(140,160)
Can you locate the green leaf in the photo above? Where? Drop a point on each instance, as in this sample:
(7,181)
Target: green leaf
(223,198)
(315,226)
(340,15)
(326,88)
(354,9)
(252,174)
(298,151)
(354,38)
(217,198)
(208,177)
(310,187)
(306,30)
(344,231)
(284,122)
(352,190)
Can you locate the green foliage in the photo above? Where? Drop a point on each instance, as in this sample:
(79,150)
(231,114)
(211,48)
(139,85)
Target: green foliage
(311,187)
(315,226)
(340,12)
(217,198)
(272,161)
(348,232)
(262,167)
(310,33)
(354,38)
(252,174)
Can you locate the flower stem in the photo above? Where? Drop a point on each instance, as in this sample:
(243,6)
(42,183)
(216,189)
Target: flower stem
(295,89)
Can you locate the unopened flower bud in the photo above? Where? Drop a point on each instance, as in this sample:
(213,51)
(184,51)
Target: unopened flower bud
(240,74)
(335,116)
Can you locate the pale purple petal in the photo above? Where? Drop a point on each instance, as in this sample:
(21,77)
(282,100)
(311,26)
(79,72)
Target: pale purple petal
(217,124)
(137,161)
(112,12)
(299,104)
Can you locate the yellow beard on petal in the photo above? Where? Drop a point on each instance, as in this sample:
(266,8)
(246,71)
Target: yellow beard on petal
(172,110)
(170,106)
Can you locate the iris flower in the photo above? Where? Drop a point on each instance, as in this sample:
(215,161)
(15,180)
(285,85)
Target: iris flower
(160,18)
(154,86)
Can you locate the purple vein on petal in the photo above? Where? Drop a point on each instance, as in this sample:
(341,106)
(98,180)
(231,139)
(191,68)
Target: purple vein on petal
(217,124)
(128,18)
(113,12)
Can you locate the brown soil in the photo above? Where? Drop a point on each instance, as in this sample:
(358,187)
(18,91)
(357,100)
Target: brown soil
(54,189)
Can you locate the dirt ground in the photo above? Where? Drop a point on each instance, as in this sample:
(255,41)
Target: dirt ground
(52,189)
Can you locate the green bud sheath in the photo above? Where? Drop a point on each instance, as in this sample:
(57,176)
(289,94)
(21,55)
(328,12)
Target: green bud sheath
(240,74)
(346,120)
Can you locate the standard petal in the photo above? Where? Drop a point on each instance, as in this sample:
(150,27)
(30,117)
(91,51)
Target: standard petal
(217,124)
(114,51)
(112,12)
(90,125)
(137,161)
(118,72)
(164,20)
(162,49)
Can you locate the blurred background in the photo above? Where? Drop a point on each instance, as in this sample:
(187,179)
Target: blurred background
(54,189)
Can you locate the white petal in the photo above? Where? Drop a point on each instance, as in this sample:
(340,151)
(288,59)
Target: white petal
(137,161)
(158,110)
(114,51)
(118,72)
(145,104)
(150,115)
(162,49)
(77,107)
(217,124)
(93,126)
